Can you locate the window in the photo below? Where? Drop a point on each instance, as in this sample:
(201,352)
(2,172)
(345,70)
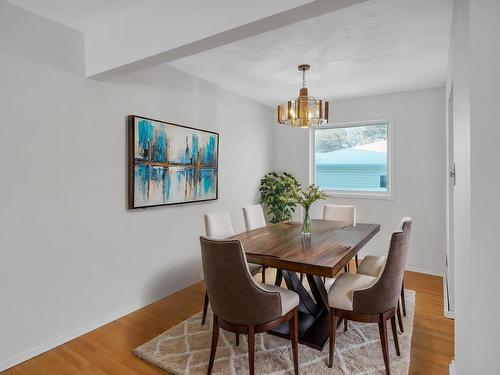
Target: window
(353,158)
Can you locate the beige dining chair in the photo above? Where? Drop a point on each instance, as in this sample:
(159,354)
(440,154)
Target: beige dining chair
(255,219)
(337,212)
(372,265)
(370,299)
(247,307)
(218,225)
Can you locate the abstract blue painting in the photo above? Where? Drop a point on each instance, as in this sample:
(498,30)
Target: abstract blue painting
(170,164)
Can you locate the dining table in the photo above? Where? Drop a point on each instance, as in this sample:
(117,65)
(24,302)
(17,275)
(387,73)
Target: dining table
(323,254)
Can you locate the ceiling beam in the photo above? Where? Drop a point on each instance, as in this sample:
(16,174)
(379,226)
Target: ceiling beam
(301,13)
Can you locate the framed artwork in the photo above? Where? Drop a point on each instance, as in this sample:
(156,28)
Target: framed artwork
(170,163)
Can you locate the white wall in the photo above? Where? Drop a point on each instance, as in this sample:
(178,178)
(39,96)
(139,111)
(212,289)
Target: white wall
(72,256)
(419,170)
(475,67)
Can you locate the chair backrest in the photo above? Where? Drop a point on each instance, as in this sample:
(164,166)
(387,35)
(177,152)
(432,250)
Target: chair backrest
(336,212)
(218,225)
(234,295)
(254,217)
(384,294)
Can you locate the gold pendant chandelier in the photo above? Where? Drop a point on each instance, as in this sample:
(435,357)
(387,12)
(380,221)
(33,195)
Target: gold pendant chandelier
(305,111)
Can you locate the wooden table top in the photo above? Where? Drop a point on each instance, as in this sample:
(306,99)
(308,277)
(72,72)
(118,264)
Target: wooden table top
(331,245)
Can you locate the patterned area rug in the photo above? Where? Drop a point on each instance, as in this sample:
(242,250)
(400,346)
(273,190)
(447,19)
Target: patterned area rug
(184,350)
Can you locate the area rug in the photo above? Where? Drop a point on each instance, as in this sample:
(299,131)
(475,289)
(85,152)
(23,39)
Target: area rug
(184,350)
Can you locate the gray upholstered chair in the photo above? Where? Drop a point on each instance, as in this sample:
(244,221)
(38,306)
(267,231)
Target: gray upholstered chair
(373,265)
(372,299)
(218,225)
(239,303)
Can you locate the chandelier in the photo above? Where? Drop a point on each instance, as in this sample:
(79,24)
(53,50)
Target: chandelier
(305,111)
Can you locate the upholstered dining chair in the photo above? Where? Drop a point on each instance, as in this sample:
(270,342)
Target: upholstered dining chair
(372,266)
(254,219)
(246,307)
(218,225)
(337,212)
(372,299)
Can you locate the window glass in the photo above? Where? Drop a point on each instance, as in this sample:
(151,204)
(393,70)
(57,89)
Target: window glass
(352,158)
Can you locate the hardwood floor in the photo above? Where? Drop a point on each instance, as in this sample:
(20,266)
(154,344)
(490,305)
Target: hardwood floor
(108,350)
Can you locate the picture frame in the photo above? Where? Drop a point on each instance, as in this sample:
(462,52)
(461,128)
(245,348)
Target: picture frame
(170,164)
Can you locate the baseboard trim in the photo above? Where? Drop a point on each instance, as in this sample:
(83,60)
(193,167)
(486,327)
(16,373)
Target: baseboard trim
(449,314)
(425,270)
(451,369)
(55,342)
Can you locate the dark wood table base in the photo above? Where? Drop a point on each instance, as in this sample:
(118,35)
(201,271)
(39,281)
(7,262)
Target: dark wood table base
(325,253)
(313,313)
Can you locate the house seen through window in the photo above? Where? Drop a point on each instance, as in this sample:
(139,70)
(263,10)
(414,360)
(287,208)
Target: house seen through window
(352,158)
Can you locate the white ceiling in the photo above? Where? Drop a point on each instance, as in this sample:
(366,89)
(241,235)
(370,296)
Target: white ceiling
(87,15)
(376,47)
(120,32)
(81,15)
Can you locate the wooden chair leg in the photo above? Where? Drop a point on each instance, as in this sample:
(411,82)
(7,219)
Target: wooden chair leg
(382,327)
(215,338)
(346,268)
(263,275)
(333,331)
(356,260)
(237,339)
(294,337)
(205,309)
(251,350)
(345,325)
(395,334)
(403,302)
(301,276)
(400,320)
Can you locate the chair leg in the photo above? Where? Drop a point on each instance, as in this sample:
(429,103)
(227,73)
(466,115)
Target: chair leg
(356,260)
(333,331)
(263,275)
(400,320)
(301,276)
(382,327)
(395,334)
(403,302)
(345,325)
(205,309)
(251,350)
(279,277)
(346,268)
(294,337)
(237,339)
(215,338)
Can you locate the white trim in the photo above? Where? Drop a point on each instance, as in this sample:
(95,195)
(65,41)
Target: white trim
(425,270)
(449,314)
(451,368)
(52,343)
(390,159)
(450,243)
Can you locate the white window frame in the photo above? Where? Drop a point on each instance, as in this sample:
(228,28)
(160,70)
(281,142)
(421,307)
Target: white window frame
(357,193)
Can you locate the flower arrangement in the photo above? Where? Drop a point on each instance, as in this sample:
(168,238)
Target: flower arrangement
(306,198)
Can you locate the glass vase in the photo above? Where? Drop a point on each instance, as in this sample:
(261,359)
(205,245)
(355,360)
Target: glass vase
(306,224)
